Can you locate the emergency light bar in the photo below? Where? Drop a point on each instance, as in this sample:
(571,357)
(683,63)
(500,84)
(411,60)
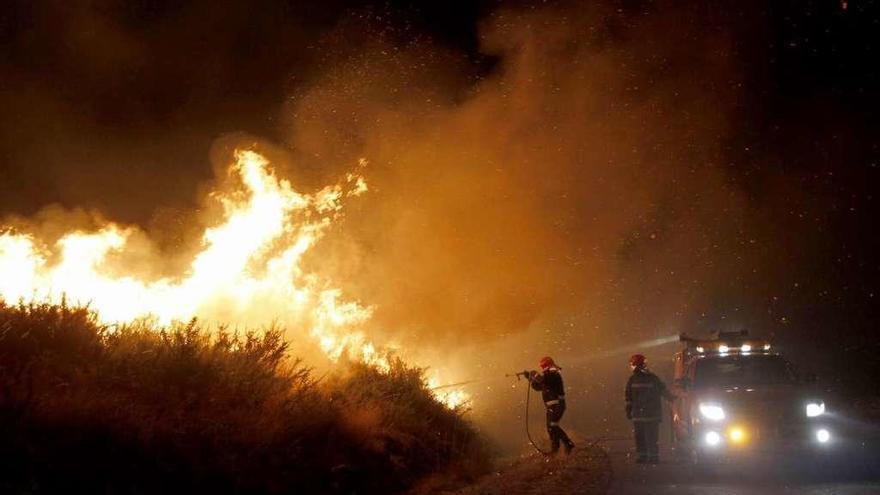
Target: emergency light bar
(725,343)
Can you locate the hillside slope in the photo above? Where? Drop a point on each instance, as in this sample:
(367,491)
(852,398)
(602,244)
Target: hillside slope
(86,408)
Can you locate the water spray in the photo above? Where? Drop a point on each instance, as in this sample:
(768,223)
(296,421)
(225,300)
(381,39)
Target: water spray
(645,344)
(460,384)
(519,375)
(638,346)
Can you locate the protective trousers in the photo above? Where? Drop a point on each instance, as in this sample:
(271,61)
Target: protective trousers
(647,433)
(557,434)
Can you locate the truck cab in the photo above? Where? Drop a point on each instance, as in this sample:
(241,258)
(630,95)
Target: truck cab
(737,396)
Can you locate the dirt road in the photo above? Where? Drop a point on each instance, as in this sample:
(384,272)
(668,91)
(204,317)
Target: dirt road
(850,477)
(610,470)
(586,471)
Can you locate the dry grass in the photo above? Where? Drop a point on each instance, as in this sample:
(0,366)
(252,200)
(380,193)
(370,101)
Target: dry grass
(146,410)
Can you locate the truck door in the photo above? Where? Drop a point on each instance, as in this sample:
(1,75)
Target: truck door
(677,407)
(684,392)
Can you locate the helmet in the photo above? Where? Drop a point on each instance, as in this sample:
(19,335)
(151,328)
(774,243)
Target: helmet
(637,361)
(546,362)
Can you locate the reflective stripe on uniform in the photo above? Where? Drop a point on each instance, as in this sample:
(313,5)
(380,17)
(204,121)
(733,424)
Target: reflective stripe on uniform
(551,402)
(642,385)
(553,423)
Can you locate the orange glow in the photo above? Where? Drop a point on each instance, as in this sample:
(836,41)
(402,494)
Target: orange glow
(737,434)
(248,269)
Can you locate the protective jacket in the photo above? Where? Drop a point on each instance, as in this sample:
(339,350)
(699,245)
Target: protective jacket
(550,385)
(643,393)
(553,393)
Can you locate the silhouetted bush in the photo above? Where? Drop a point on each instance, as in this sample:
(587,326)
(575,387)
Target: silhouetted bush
(136,409)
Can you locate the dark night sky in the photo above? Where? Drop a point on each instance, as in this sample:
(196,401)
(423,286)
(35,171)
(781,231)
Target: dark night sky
(144,87)
(93,92)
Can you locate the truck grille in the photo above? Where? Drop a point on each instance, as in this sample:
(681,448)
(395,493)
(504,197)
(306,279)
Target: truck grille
(770,423)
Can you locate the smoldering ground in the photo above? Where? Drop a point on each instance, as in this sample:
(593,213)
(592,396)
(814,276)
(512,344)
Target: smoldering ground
(565,187)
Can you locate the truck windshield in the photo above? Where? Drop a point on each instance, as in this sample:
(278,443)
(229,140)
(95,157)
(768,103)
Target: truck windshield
(723,371)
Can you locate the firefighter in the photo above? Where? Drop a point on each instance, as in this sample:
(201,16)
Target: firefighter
(549,382)
(643,393)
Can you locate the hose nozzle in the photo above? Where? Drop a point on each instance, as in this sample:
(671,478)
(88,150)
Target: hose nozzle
(521,374)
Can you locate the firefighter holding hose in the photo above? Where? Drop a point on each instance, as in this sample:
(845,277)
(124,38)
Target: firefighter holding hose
(549,383)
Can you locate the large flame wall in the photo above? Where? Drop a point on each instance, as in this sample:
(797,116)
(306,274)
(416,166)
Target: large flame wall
(248,269)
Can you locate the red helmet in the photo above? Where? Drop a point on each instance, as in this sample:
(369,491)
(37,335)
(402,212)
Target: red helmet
(637,360)
(546,362)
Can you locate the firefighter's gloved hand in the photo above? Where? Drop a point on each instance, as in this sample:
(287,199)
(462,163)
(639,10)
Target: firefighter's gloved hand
(533,374)
(527,375)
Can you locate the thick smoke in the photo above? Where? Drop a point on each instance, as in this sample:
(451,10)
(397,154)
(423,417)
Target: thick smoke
(577,188)
(574,200)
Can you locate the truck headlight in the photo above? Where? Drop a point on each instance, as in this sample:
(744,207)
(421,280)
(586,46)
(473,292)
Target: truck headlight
(815,409)
(712,412)
(712,439)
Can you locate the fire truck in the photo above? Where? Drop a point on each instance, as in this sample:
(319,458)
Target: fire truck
(737,396)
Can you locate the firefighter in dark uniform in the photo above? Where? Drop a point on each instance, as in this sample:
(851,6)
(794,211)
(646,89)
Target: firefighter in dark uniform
(549,382)
(643,393)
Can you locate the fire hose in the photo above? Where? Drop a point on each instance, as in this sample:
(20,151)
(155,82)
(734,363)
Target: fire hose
(592,443)
(528,399)
(528,433)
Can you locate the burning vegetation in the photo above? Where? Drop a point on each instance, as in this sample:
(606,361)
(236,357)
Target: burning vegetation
(104,364)
(92,408)
(246,271)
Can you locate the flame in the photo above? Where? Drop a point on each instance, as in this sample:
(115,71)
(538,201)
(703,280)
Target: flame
(453,398)
(247,269)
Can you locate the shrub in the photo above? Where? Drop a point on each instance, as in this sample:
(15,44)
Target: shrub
(139,409)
